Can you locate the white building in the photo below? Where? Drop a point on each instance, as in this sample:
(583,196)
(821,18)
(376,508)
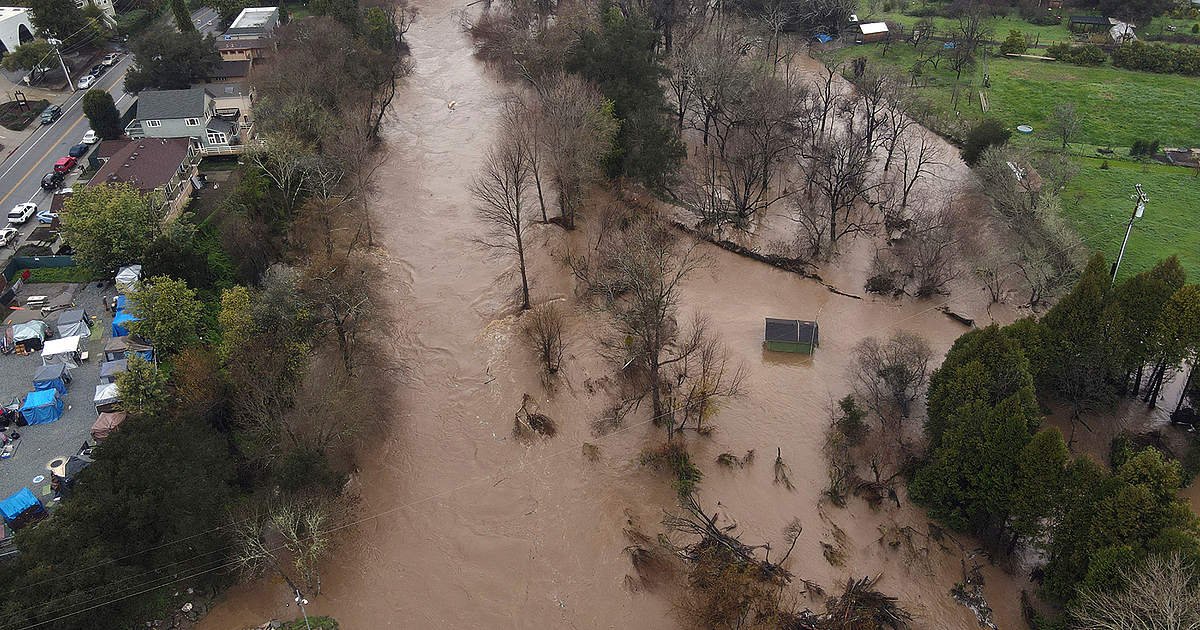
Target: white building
(106,7)
(253,22)
(15,28)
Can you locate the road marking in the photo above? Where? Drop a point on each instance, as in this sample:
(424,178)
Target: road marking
(52,147)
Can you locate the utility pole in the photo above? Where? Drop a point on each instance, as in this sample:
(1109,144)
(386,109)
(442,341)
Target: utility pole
(300,600)
(56,43)
(1139,209)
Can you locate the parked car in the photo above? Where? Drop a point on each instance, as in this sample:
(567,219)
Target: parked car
(8,235)
(51,114)
(98,69)
(78,150)
(21,213)
(87,82)
(64,165)
(53,181)
(47,216)
(111,59)
(90,137)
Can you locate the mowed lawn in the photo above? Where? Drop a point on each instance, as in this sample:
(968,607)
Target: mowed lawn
(1117,106)
(1097,202)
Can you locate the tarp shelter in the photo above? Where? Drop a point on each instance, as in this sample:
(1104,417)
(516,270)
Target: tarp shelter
(106,397)
(42,407)
(872,32)
(32,334)
(117,347)
(128,277)
(120,321)
(65,351)
(74,322)
(823,38)
(107,423)
(110,369)
(791,335)
(62,473)
(21,502)
(120,303)
(51,377)
(23,315)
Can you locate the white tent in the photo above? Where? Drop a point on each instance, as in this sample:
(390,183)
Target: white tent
(65,351)
(127,278)
(106,394)
(35,329)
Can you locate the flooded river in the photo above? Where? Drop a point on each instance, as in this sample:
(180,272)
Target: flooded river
(466,527)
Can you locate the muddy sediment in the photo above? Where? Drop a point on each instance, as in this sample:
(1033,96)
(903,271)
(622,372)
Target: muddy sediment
(466,527)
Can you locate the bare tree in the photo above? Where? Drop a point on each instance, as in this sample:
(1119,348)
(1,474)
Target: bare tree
(544,328)
(282,157)
(1065,123)
(929,248)
(970,37)
(579,130)
(838,183)
(523,119)
(340,291)
(289,538)
(889,376)
(704,377)
(1160,594)
(499,192)
(918,158)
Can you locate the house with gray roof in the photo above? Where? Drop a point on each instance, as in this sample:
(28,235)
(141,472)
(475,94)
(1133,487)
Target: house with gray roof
(190,113)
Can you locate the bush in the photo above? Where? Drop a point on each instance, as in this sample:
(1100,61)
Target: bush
(1089,55)
(989,133)
(1196,28)
(1159,58)
(134,22)
(1014,44)
(673,457)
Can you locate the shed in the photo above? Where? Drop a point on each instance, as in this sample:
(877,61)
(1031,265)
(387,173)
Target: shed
(42,407)
(119,322)
(66,350)
(106,398)
(872,32)
(109,370)
(1088,23)
(791,335)
(107,423)
(21,508)
(74,322)
(51,377)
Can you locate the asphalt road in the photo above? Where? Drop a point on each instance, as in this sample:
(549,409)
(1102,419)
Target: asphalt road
(207,21)
(21,171)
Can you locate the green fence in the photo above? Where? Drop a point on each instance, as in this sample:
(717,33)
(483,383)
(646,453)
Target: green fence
(21,263)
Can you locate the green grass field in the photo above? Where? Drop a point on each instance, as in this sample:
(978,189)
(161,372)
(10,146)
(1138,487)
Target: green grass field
(1098,205)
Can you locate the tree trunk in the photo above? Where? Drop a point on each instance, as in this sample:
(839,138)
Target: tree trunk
(524,277)
(537,179)
(1137,382)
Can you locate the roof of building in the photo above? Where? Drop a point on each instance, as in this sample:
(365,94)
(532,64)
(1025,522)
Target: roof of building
(792,330)
(255,17)
(226,89)
(873,27)
(146,163)
(242,44)
(226,127)
(1089,19)
(230,69)
(108,148)
(169,104)
(8,12)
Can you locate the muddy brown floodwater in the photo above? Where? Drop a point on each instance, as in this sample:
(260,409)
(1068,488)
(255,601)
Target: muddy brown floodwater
(466,527)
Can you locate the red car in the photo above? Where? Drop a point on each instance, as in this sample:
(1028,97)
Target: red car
(65,165)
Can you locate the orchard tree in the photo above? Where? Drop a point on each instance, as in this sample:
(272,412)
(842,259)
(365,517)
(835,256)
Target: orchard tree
(102,114)
(167,313)
(1065,123)
(109,225)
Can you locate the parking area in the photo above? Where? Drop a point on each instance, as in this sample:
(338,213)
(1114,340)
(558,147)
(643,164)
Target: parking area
(42,443)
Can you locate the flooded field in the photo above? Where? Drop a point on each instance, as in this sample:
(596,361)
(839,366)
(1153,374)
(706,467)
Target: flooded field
(466,527)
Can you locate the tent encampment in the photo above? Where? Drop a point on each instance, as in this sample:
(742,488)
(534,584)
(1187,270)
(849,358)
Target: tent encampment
(117,347)
(63,471)
(120,303)
(127,278)
(66,350)
(51,377)
(23,315)
(106,397)
(119,323)
(32,334)
(42,407)
(110,369)
(74,322)
(21,507)
(107,423)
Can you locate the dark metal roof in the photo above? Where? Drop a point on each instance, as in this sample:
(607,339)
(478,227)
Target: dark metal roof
(242,44)
(230,69)
(171,104)
(1090,19)
(792,330)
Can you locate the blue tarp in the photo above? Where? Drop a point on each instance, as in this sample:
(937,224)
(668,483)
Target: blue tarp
(823,38)
(50,377)
(121,318)
(42,406)
(13,506)
(120,303)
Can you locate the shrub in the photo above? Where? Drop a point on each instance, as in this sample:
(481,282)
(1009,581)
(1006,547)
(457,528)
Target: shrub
(1089,55)
(1014,44)
(989,133)
(1196,28)
(672,456)
(1159,58)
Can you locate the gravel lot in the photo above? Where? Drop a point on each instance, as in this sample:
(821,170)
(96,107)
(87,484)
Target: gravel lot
(39,444)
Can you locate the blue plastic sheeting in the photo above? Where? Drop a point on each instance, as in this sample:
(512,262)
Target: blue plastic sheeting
(51,377)
(120,303)
(22,500)
(121,318)
(823,38)
(42,406)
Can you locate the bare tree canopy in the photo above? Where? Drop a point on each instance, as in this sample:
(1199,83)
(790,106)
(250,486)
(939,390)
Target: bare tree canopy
(500,194)
(1159,595)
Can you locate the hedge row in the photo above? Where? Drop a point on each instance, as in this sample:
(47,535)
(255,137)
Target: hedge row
(1158,58)
(1089,55)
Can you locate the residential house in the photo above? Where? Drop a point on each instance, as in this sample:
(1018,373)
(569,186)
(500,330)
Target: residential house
(106,8)
(235,49)
(229,71)
(233,101)
(161,166)
(190,113)
(252,23)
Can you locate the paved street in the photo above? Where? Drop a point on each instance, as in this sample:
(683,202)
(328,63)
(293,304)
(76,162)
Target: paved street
(207,21)
(23,167)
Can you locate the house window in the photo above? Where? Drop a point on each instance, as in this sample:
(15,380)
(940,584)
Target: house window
(192,122)
(153,123)
(216,137)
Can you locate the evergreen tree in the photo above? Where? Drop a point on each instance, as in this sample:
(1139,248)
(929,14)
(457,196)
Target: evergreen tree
(102,114)
(1141,299)
(183,17)
(1039,488)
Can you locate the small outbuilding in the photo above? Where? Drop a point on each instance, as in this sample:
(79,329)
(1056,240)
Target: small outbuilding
(22,508)
(53,377)
(1088,24)
(872,32)
(128,278)
(67,351)
(74,322)
(791,335)
(30,334)
(42,407)
(118,347)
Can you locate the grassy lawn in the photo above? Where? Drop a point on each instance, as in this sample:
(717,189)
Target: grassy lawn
(1098,204)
